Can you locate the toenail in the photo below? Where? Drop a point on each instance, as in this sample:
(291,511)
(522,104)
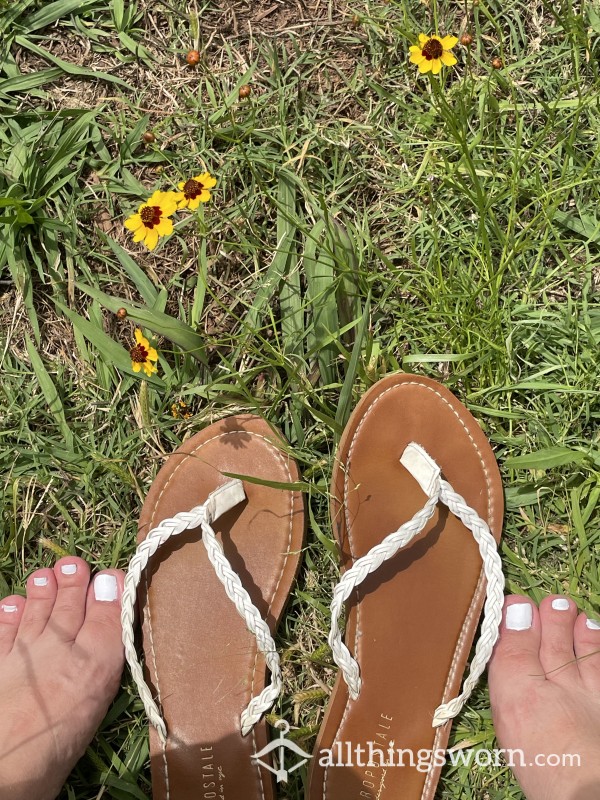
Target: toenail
(560,604)
(519,617)
(105,588)
(592,624)
(68,569)
(40,581)
(11,609)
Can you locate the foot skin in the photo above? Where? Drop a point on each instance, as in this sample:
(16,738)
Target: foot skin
(544,680)
(61,660)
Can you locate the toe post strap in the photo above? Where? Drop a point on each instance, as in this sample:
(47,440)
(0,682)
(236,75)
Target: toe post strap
(427,473)
(218,502)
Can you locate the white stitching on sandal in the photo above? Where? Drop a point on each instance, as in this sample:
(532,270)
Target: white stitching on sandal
(427,473)
(218,502)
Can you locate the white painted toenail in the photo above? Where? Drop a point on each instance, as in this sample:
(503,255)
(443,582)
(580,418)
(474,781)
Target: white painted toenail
(40,581)
(105,588)
(560,604)
(11,609)
(68,569)
(519,617)
(592,624)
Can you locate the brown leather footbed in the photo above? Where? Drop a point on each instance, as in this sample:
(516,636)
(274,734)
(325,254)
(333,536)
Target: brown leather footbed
(201,661)
(411,624)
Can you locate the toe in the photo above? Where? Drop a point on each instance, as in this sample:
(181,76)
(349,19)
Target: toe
(515,661)
(587,650)
(101,631)
(72,578)
(41,594)
(557,656)
(11,612)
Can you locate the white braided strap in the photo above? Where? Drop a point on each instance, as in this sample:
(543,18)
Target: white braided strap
(221,500)
(492,610)
(427,473)
(355,575)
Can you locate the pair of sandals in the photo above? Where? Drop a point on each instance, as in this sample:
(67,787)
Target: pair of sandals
(416,508)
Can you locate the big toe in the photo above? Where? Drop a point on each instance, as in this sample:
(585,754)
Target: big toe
(515,663)
(100,633)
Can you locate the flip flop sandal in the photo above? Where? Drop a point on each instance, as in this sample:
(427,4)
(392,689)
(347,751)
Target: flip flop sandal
(215,563)
(417,509)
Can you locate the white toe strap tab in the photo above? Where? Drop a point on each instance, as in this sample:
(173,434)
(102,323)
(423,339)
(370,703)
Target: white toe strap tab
(223,499)
(422,467)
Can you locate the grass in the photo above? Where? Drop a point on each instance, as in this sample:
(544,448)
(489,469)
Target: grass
(366,220)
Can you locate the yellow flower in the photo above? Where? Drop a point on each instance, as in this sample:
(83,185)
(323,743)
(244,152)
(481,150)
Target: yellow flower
(152,219)
(142,355)
(195,191)
(432,52)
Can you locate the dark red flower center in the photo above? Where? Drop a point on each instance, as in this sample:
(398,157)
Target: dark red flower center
(138,354)
(150,216)
(192,188)
(433,49)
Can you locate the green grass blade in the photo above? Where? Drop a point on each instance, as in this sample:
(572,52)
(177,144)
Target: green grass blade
(140,280)
(53,11)
(66,66)
(345,401)
(321,300)
(48,388)
(290,299)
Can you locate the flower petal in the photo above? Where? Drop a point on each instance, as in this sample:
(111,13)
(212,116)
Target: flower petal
(182,204)
(448,59)
(136,366)
(193,203)
(448,42)
(417,58)
(151,239)
(207,180)
(436,65)
(155,199)
(168,203)
(152,354)
(140,234)
(133,222)
(139,336)
(425,66)
(423,39)
(180,185)
(149,368)
(204,196)
(164,227)
(414,48)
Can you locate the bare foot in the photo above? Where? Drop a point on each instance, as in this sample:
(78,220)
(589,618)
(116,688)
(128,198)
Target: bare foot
(61,660)
(544,682)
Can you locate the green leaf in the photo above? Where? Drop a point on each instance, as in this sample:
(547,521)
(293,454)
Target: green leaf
(321,301)
(141,281)
(30,81)
(175,331)
(343,411)
(48,388)
(547,458)
(53,11)
(112,352)
(66,66)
